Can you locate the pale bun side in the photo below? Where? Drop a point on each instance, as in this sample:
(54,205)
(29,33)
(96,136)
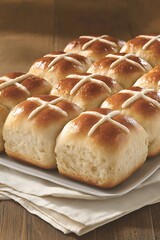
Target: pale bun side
(3,115)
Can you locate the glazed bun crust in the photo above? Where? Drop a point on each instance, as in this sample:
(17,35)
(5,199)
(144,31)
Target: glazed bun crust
(151,54)
(97,49)
(32,138)
(46,116)
(143,111)
(61,68)
(124,72)
(89,94)
(12,94)
(150,79)
(100,159)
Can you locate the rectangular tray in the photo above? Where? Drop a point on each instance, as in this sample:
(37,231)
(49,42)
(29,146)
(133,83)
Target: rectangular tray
(149,167)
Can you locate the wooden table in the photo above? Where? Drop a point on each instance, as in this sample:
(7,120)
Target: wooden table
(32,28)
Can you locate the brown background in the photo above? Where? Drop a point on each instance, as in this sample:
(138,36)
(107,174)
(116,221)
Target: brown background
(32,28)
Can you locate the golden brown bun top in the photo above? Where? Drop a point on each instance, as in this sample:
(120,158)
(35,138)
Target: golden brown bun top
(63,65)
(140,41)
(47,115)
(34,84)
(123,67)
(95,49)
(88,88)
(15,92)
(151,53)
(145,107)
(107,135)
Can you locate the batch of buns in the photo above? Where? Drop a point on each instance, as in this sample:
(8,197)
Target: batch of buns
(92,111)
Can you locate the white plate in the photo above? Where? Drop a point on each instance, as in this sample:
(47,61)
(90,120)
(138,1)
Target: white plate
(149,167)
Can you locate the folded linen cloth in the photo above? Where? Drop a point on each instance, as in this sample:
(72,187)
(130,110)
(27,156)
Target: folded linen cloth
(69,210)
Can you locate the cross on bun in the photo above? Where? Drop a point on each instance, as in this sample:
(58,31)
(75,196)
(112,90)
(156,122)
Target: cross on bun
(16,87)
(3,115)
(144,106)
(57,65)
(124,68)
(31,129)
(101,148)
(94,47)
(150,79)
(86,90)
(146,47)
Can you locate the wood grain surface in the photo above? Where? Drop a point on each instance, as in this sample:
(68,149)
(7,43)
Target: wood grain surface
(32,28)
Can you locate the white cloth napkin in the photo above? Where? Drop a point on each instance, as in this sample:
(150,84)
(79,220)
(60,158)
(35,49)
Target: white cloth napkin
(69,210)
